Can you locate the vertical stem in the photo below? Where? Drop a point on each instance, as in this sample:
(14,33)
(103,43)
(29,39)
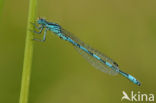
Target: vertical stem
(28,54)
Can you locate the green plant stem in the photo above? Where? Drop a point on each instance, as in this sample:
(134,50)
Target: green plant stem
(28,54)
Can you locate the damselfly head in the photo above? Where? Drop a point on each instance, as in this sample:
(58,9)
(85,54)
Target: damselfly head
(41,21)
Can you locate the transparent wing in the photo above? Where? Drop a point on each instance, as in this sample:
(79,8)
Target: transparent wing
(96,63)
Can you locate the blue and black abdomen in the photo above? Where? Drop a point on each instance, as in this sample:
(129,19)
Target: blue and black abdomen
(94,57)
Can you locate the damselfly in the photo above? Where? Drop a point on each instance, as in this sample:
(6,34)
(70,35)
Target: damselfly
(97,59)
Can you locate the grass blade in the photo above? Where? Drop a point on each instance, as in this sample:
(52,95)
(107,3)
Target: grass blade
(28,54)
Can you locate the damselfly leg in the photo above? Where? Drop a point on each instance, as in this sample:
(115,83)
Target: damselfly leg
(44,36)
(40,28)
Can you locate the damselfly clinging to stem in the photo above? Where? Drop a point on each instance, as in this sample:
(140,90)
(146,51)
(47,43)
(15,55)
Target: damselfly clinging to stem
(96,58)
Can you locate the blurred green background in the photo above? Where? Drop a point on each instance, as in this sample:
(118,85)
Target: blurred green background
(122,29)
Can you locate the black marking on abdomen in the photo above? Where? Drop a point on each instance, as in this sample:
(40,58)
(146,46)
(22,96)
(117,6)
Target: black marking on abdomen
(115,64)
(90,53)
(102,61)
(78,45)
(124,73)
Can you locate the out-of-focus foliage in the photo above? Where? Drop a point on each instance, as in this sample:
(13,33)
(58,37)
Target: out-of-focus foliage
(123,30)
